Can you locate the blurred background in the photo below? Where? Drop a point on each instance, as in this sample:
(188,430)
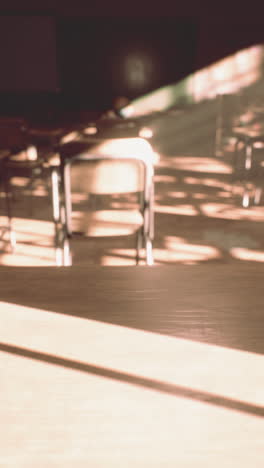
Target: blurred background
(168,64)
(83,56)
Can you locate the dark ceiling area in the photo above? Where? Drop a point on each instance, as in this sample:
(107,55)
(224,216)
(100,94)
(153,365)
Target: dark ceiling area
(83,57)
(102,58)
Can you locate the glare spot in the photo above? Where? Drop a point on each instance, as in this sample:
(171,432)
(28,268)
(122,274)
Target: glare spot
(145,132)
(32,153)
(71,136)
(91,130)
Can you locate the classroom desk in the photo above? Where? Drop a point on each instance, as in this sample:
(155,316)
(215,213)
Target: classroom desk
(132,366)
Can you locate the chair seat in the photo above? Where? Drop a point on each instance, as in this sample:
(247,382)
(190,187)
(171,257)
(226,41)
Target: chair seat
(106,223)
(110,180)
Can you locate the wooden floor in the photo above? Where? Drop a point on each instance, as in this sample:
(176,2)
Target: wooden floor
(107,365)
(198,213)
(140,367)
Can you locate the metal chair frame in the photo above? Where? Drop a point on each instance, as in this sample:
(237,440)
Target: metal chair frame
(247,140)
(62,207)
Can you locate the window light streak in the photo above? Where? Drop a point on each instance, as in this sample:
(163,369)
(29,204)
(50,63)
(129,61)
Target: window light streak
(154,102)
(128,111)
(172,360)
(228,75)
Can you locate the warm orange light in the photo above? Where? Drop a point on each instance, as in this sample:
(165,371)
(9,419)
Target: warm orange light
(247,254)
(198,164)
(91,130)
(164,359)
(146,132)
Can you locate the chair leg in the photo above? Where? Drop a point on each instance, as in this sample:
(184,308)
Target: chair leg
(62,249)
(67,258)
(149,221)
(9,229)
(257,195)
(139,246)
(248,166)
(149,252)
(62,242)
(56,213)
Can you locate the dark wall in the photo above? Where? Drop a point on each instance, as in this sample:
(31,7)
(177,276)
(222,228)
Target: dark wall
(102,58)
(28,53)
(106,49)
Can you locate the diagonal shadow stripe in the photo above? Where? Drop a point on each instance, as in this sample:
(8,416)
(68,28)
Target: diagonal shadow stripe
(151,384)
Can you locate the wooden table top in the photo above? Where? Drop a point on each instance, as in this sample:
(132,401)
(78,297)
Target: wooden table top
(132,366)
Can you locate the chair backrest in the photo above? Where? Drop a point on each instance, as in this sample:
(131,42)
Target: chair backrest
(119,169)
(234,110)
(135,150)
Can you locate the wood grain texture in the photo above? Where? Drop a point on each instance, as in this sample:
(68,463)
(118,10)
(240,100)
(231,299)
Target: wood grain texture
(132,366)
(219,304)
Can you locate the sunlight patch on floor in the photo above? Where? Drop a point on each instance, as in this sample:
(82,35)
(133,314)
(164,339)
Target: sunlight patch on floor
(227,211)
(187,210)
(176,194)
(247,254)
(176,361)
(197,164)
(119,257)
(162,178)
(207,182)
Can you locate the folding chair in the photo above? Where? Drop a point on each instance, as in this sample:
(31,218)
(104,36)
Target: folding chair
(103,151)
